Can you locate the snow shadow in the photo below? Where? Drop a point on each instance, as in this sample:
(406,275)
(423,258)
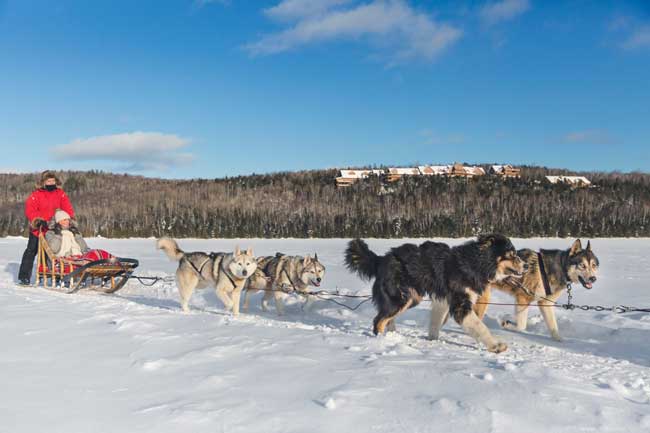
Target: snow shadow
(161,303)
(628,343)
(581,334)
(320,313)
(12,269)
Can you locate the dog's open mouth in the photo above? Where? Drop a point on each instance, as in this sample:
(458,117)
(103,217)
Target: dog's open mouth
(316,283)
(515,274)
(586,284)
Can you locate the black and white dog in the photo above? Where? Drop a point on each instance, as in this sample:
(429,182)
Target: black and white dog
(453,277)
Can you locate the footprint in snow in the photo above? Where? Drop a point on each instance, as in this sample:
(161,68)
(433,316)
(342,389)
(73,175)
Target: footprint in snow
(629,392)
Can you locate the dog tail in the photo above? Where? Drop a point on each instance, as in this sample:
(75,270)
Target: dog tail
(359,259)
(170,247)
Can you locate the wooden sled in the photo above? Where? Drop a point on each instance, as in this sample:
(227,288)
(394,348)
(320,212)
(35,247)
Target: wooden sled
(105,275)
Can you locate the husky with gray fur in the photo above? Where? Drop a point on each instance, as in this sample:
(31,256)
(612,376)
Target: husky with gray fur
(226,272)
(285,273)
(563,267)
(258,281)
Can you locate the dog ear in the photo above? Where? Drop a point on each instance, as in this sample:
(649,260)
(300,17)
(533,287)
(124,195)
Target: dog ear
(588,246)
(485,241)
(249,251)
(315,257)
(306,260)
(237,251)
(575,248)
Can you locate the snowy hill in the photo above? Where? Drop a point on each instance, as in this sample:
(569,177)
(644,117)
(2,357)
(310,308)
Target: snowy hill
(133,362)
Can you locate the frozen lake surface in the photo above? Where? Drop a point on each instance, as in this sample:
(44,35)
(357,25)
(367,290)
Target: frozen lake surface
(134,362)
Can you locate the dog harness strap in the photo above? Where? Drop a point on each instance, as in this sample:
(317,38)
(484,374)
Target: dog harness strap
(542,271)
(227,275)
(205,262)
(199,269)
(289,278)
(517,285)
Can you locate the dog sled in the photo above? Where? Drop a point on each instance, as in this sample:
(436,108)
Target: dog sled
(106,275)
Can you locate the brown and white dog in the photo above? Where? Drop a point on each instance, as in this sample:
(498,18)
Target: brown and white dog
(560,268)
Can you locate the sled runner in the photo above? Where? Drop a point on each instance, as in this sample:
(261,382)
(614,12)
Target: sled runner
(107,274)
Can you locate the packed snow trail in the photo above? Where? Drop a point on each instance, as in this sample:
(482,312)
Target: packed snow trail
(133,362)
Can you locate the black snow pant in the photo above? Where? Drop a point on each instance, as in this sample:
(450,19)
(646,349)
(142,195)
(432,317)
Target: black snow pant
(25,272)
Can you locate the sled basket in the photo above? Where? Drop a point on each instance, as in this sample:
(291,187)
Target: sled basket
(107,275)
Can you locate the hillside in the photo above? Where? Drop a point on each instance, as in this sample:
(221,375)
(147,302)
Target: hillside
(308,204)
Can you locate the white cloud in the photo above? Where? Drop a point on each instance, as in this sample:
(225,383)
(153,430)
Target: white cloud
(504,10)
(296,9)
(136,151)
(592,136)
(640,38)
(12,170)
(392,24)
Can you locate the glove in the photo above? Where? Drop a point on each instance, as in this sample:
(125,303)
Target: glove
(39,223)
(74,230)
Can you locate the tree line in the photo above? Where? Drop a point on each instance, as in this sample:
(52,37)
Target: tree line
(308,204)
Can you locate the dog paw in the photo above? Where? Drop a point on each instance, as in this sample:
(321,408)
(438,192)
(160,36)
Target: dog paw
(498,347)
(557,337)
(433,337)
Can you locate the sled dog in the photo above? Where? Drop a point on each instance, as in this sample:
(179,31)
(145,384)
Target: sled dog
(453,277)
(286,273)
(559,269)
(258,281)
(226,272)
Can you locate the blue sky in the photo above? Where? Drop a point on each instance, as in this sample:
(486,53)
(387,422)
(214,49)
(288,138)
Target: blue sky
(212,88)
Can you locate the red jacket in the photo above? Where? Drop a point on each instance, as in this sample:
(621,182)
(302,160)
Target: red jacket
(43,203)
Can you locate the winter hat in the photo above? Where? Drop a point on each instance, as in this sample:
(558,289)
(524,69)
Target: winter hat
(61,215)
(48,174)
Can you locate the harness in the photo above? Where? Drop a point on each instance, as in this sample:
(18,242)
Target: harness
(281,261)
(289,278)
(199,270)
(221,268)
(211,256)
(542,271)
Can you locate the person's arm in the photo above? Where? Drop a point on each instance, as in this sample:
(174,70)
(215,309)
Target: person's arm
(54,241)
(82,242)
(33,209)
(66,205)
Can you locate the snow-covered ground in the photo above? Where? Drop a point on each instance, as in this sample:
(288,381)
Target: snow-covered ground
(134,363)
